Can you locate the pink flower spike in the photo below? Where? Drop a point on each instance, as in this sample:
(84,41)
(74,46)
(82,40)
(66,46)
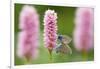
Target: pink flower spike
(27,16)
(50,29)
(83,33)
(28,37)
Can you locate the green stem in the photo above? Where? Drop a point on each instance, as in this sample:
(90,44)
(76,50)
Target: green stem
(27,61)
(50,55)
(85,55)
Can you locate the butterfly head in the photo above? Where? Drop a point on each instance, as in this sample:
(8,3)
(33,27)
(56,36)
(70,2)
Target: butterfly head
(60,37)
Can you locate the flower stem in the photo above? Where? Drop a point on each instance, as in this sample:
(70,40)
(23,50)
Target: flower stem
(85,55)
(26,61)
(50,55)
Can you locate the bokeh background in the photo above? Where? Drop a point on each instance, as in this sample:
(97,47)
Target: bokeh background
(65,24)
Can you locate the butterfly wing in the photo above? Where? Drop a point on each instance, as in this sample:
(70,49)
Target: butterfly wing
(58,49)
(63,49)
(66,39)
(69,50)
(66,50)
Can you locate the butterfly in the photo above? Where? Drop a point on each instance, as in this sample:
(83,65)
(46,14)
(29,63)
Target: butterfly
(63,47)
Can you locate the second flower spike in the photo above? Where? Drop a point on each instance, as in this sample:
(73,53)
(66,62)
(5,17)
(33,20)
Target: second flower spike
(28,37)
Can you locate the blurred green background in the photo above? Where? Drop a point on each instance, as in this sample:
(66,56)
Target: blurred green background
(65,24)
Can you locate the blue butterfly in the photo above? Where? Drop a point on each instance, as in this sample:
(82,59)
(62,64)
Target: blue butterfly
(63,47)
